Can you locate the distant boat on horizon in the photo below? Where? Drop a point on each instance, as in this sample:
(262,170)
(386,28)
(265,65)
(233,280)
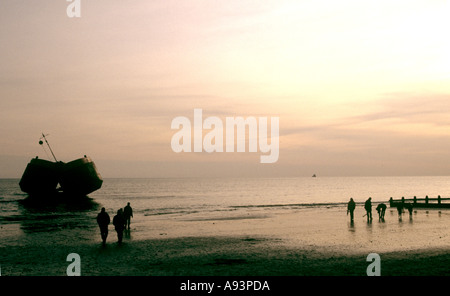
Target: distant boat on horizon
(76,178)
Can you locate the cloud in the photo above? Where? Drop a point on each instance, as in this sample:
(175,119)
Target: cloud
(403,134)
(418,108)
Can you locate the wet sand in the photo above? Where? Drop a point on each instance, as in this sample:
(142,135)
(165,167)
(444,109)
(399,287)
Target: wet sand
(213,256)
(316,241)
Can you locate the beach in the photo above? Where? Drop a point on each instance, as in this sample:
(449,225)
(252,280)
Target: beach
(317,241)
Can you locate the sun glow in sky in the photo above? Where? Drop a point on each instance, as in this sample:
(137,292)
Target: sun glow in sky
(360,87)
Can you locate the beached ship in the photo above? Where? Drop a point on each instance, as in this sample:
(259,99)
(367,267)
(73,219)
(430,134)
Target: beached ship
(76,178)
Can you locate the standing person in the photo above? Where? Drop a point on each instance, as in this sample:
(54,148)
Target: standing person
(409,207)
(399,211)
(103,221)
(127,214)
(381,209)
(350,208)
(368,208)
(119,224)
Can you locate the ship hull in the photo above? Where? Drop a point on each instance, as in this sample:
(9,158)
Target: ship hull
(76,178)
(40,177)
(80,177)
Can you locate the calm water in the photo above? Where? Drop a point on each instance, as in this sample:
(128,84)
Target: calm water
(172,199)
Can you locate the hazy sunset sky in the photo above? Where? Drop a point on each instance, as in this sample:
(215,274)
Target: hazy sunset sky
(360,87)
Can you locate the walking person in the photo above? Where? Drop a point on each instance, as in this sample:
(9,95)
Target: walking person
(368,208)
(119,224)
(103,221)
(350,208)
(127,214)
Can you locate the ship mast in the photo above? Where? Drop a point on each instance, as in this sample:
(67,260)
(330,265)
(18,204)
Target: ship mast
(40,143)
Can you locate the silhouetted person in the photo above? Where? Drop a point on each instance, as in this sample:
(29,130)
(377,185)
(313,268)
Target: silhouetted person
(381,209)
(119,225)
(350,208)
(103,221)
(409,207)
(368,208)
(127,214)
(399,210)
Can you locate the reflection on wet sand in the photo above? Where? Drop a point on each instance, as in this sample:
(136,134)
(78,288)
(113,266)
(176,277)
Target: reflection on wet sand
(51,214)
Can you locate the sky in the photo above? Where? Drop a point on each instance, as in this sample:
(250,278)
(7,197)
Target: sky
(361,88)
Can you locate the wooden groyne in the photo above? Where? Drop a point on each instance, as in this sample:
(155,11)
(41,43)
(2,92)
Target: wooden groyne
(427,202)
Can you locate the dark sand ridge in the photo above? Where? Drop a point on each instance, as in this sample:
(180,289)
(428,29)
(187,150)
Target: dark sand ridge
(217,256)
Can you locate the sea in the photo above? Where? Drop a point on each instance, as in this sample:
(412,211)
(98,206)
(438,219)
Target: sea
(165,200)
